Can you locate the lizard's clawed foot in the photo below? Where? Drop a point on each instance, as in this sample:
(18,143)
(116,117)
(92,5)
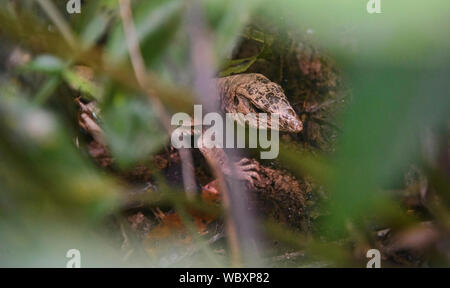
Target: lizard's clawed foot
(246,170)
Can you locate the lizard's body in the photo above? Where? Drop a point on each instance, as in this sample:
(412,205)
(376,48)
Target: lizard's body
(248,94)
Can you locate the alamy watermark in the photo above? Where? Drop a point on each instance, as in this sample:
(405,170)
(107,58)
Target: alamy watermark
(73,6)
(190,131)
(375,258)
(74,256)
(373,6)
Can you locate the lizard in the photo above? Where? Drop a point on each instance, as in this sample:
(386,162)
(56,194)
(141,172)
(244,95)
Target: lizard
(242,93)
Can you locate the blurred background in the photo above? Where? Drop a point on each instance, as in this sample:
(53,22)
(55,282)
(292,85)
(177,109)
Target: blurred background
(370,170)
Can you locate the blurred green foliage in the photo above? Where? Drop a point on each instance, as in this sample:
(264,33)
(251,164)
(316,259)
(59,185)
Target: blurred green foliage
(396,63)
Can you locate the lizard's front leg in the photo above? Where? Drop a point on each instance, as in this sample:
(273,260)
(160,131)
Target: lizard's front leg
(216,157)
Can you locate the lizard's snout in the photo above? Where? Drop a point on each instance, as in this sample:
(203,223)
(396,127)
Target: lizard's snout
(296,125)
(290,122)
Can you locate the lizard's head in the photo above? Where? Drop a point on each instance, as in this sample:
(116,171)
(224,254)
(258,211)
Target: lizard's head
(256,94)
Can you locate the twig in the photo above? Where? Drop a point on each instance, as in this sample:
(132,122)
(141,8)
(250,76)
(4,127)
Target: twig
(126,246)
(202,62)
(239,222)
(140,72)
(59,21)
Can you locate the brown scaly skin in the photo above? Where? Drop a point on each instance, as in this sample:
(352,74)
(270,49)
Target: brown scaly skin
(245,94)
(251,94)
(254,93)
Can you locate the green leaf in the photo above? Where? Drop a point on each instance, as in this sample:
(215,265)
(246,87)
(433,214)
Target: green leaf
(403,33)
(132,129)
(46,64)
(259,36)
(36,146)
(238,66)
(228,19)
(382,129)
(94,29)
(47,89)
(82,84)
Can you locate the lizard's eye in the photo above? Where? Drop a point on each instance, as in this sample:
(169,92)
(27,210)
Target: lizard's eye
(292,113)
(257,110)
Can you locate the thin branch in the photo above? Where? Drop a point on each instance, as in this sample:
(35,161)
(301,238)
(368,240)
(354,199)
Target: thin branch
(240,223)
(140,72)
(59,21)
